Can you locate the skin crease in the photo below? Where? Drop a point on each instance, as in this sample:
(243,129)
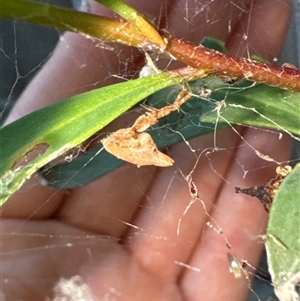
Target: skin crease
(141,208)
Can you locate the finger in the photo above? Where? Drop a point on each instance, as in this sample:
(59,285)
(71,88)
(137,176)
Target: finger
(242,219)
(107,205)
(37,254)
(159,245)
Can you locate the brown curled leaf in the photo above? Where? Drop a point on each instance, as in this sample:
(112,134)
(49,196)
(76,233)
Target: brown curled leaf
(136,148)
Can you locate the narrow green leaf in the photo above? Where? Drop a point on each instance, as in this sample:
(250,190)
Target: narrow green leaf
(121,8)
(65,124)
(283,237)
(253,104)
(68,19)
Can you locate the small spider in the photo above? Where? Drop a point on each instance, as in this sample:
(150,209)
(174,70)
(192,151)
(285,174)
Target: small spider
(266,192)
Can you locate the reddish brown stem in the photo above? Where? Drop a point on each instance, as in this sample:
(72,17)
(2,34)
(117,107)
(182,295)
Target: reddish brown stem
(214,62)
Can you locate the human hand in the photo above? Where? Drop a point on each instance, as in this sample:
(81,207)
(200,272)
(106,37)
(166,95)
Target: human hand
(129,235)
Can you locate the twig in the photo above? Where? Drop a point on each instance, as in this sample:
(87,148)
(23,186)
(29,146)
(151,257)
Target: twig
(217,63)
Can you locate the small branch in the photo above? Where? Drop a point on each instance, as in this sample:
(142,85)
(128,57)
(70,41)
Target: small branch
(214,62)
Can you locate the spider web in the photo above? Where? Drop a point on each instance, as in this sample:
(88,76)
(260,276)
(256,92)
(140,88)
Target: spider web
(158,203)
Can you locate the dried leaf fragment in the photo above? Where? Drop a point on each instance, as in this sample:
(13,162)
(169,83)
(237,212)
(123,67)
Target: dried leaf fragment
(136,148)
(134,145)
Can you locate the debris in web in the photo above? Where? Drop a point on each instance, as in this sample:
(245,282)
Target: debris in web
(266,192)
(212,223)
(235,266)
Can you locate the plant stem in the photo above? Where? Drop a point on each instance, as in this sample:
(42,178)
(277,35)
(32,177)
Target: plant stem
(217,63)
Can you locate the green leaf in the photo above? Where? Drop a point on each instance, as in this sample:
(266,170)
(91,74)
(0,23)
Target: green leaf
(72,20)
(63,125)
(283,237)
(254,104)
